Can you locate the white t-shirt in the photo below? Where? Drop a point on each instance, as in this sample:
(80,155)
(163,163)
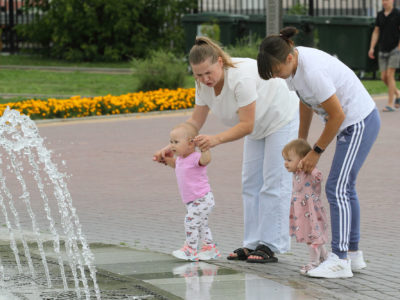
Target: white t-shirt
(320,75)
(276,106)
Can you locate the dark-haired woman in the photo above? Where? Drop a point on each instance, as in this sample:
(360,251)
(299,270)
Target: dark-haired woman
(266,114)
(329,88)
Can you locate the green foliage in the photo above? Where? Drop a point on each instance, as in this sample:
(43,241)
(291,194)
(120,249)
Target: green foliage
(160,70)
(104,30)
(298,9)
(211,30)
(246,47)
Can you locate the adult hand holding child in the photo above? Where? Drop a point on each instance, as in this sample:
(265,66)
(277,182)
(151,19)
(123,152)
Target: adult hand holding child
(205,142)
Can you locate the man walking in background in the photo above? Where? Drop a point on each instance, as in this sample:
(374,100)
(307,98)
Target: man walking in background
(386,34)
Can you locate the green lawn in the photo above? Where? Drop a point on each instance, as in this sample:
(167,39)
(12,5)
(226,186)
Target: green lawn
(38,82)
(65,83)
(52,83)
(375,87)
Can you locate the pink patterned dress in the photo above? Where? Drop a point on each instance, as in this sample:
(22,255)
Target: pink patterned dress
(308,222)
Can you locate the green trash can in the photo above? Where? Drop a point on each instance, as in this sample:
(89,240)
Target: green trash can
(305,25)
(348,38)
(256,27)
(231,26)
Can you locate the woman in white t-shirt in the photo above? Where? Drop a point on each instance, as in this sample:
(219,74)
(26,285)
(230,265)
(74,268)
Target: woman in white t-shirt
(266,114)
(329,88)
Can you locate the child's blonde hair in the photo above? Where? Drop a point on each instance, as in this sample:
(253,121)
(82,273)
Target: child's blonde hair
(300,146)
(190,130)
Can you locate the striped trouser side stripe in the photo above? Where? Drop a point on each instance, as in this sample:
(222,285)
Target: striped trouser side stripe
(341,196)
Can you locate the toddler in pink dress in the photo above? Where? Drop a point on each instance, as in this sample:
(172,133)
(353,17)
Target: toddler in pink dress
(308,221)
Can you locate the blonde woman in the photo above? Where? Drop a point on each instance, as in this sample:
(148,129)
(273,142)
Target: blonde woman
(266,114)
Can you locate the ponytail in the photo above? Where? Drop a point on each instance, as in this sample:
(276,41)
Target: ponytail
(274,50)
(204,48)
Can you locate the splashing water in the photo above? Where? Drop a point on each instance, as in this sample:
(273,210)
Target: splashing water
(20,143)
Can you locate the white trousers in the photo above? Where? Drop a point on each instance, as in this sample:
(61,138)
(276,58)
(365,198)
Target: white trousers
(196,221)
(267,188)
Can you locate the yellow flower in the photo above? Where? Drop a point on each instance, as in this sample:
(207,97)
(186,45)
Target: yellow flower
(76,106)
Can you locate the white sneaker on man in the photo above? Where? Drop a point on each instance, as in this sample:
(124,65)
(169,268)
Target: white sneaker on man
(357,260)
(333,267)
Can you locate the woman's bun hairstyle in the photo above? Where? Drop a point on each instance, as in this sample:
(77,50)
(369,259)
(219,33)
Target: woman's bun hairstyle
(288,32)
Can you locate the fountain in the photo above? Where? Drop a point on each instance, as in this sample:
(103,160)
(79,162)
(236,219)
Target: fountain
(29,183)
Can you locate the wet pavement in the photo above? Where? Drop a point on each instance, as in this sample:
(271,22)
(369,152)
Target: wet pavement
(125,199)
(192,280)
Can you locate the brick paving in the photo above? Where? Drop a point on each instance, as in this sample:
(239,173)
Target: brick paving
(122,197)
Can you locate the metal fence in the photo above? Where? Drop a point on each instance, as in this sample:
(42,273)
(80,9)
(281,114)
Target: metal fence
(310,7)
(12,13)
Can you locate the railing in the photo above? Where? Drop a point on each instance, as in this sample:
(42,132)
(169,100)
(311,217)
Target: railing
(12,13)
(310,7)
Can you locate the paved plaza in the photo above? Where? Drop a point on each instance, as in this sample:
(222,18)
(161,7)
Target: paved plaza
(122,197)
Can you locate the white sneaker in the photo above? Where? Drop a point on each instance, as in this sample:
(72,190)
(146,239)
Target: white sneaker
(208,251)
(333,267)
(186,253)
(357,260)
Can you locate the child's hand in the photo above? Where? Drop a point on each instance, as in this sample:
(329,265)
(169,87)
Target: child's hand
(160,155)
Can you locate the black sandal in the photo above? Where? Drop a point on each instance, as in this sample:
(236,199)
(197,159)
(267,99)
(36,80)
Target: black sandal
(240,254)
(263,251)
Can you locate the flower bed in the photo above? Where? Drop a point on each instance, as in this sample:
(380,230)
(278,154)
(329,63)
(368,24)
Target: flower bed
(159,100)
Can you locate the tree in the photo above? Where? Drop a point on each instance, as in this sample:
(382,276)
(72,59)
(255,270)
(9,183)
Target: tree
(274,16)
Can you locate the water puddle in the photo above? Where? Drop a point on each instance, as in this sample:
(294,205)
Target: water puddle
(206,281)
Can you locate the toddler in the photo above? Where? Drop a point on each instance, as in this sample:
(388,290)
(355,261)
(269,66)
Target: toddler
(191,174)
(307,215)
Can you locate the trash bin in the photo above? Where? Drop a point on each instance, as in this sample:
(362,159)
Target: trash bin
(347,37)
(305,25)
(256,26)
(231,26)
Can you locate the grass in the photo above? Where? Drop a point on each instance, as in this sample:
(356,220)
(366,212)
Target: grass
(52,84)
(375,87)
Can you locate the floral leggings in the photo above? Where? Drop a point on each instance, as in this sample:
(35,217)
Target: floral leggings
(196,221)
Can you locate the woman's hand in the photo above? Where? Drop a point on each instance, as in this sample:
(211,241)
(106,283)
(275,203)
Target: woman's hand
(335,118)
(160,155)
(308,163)
(205,142)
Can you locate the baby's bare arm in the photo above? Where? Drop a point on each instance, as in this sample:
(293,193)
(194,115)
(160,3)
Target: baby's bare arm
(170,161)
(205,158)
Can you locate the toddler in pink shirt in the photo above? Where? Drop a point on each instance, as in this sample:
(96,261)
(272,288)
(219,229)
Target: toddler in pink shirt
(191,174)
